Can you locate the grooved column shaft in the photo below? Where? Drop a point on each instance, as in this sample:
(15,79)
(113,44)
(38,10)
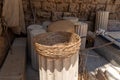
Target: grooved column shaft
(102,20)
(58,69)
(81,29)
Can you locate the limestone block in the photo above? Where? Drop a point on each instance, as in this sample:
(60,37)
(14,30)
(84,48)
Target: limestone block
(69,1)
(51,0)
(88,1)
(48,6)
(43,14)
(37,4)
(83,16)
(111,8)
(15,63)
(117,1)
(77,1)
(74,7)
(87,7)
(102,1)
(62,7)
(59,1)
(100,7)
(66,14)
(56,16)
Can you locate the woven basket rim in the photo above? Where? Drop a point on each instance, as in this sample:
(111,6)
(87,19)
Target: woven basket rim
(55,46)
(58,50)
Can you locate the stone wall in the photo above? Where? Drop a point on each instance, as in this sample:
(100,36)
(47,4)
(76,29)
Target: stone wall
(56,9)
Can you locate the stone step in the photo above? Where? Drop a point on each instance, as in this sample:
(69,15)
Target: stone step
(15,63)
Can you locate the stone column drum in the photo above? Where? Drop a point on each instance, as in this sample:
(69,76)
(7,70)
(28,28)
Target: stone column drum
(102,18)
(56,61)
(34,56)
(59,69)
(29,29)
(81,29)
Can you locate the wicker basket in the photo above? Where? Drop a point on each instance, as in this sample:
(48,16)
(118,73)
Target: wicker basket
(57,44)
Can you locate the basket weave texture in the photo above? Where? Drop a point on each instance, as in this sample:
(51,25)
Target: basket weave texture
(57,44)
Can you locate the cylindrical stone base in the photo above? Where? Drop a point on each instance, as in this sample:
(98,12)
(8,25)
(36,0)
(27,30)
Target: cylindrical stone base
(29,29)
(34,56)
(58,69)
(102,18)
(81,29)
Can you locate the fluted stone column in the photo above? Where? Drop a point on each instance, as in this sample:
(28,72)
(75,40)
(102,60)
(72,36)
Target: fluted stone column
(58,55)
(29,29)
(34,56)
(81,29)
(59,69)
(102,18)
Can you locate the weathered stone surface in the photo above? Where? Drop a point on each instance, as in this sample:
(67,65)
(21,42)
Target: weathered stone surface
(117,1)
(59,1)
(43,14)
(117,10)
(84,9)
(113,16)
(88,1)
(67,14)
(102,1)
(15,63)
(37,4)
(56,16)
(62,7)
(74,7)
(111,8)
(83,16)
(51,0)
(68,1)
(75,14)
(100,7)
(78,1)
(87,8)
(48,6)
